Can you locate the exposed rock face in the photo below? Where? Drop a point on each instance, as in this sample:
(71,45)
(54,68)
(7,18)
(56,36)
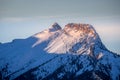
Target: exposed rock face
(86,28)
(55,27)
(72,53)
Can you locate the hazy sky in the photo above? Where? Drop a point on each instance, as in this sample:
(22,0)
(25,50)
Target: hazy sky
(23,18)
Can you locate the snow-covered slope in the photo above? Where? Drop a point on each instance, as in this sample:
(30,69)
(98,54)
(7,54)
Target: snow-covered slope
(74,52)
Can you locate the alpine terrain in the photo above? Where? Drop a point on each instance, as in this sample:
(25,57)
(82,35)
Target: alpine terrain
(72,53)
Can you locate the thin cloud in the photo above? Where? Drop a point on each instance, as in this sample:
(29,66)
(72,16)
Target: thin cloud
(107,32)
(14,19)
(21,19)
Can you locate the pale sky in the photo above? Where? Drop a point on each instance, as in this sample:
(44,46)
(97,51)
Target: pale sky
(23,18)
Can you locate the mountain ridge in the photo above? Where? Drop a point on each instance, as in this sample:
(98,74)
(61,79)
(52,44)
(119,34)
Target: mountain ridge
(74,52)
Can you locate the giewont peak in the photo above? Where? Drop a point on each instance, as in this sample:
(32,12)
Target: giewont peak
(78,27)
(55,27)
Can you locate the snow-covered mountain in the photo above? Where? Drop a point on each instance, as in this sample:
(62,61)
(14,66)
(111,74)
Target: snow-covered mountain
(72,53)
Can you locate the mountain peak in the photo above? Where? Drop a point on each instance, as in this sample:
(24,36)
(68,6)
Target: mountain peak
(74,52)
(55,27)
(80,29)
